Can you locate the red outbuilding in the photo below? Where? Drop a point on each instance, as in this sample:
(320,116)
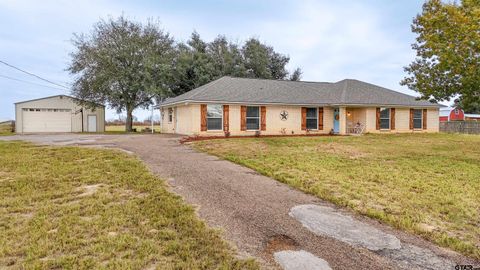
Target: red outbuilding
(451,114)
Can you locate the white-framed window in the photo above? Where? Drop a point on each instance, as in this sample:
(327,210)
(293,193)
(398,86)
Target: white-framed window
(384,118)
(170,115)
(214,117)
(312,118)
(417,119)
(253,118)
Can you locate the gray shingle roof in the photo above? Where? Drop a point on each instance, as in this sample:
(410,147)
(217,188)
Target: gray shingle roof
(260,91)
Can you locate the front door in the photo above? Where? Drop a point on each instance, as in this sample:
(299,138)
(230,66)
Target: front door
(336,123)
(92,123)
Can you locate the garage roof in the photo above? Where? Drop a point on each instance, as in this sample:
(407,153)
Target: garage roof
(98,104)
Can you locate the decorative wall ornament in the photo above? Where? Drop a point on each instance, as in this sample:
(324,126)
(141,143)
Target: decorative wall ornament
(283,115)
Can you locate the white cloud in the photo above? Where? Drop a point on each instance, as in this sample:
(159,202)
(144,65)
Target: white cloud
(329,40)
(332,40)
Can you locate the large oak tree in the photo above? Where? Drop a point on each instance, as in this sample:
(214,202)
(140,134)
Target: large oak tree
(448,53)
(122,63)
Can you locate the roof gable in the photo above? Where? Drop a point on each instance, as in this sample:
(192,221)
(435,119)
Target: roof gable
(56,96)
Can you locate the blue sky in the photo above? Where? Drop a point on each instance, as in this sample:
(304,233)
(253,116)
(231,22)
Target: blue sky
(330,40)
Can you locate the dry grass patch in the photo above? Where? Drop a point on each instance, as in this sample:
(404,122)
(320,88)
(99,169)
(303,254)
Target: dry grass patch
(6,129)
(59,209)
(428,184)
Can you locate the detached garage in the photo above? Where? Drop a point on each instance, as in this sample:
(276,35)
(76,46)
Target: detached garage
(58,114)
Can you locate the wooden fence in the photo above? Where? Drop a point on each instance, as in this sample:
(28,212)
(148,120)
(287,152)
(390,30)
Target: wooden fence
(467,127)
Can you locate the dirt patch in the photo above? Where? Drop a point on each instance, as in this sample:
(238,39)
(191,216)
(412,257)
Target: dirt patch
(28,215)
(133,194)
(427,227)
(4,176)
(344,150)
(89,218)
(152,266)
(88,190)
(8,262)
(279,243)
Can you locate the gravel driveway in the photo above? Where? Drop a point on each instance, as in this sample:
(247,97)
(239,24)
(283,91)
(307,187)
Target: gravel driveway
(280,226)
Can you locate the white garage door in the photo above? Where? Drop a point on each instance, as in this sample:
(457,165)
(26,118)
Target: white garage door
(47,120)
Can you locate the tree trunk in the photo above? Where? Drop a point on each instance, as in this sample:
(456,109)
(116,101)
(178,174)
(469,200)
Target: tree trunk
(129,122)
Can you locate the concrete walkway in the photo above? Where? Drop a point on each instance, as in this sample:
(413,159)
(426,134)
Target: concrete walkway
(280,226)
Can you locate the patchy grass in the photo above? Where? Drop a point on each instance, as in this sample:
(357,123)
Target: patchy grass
(428,184)
(6,129)
(79,208)
(121,129)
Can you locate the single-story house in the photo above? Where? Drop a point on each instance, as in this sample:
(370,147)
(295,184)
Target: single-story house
(59,113)
(243,106)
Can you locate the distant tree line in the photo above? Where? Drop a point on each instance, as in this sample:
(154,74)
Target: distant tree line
(129,65)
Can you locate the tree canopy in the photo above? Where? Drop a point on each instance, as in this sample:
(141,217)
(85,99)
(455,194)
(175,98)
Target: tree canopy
(122,63)
(447,65)
(129,65)
(199,62)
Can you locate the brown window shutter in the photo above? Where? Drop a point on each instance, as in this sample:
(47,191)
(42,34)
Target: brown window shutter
(304,118)
(263,117)
(424,120)
(320,118)
(411,119)
(377,126)
(392,118)
(243,118)
(226,124)
(203,117)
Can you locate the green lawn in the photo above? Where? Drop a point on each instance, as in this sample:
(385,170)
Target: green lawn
(428,184)
(79,208)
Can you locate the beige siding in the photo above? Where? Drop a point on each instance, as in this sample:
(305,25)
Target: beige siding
(327,119)
(183,115)
(433,122)
(402,121)
(61,102)
(188,117)
(371,120)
